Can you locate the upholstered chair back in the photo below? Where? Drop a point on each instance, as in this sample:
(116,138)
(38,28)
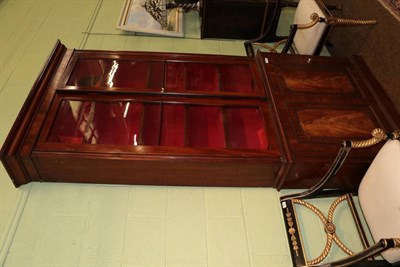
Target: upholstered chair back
(307,40)
(379,196)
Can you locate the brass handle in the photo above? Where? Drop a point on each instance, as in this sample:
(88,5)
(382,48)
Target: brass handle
(314,20)
(342,21)
(378,135)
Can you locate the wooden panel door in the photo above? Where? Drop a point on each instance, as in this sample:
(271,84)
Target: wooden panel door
(318,102)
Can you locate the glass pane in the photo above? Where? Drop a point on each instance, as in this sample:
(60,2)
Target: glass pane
(71,122)
(138,75)
(245,128)
(116,123)
(175,76)
(173,121)
(89,73)
(237,78)
(191,76)
(202,77)
(205,127)
(151,125)
(156,124)
(209,77)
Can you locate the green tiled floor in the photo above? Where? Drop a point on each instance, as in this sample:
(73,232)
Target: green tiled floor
(69,224)
(96,225)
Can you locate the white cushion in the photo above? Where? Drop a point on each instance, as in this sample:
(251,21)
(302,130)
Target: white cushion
(379,195)
(306,40)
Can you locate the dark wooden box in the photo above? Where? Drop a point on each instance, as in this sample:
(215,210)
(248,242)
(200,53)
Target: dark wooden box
(237,19)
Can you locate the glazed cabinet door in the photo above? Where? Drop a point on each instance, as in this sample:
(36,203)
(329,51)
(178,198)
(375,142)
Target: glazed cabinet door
(157,141)
(120,117)
(138,75)
(164,74)
(151,122)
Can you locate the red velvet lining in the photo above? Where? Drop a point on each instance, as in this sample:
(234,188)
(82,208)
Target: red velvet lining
(236,78)
(202,77)
(151,125)
(175,76)
(173,121)
(191,76)
(65,128)
(113,123)
(124,123)
(205,126)
(245,128)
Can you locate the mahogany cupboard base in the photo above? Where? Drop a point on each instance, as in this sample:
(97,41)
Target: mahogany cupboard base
(318,103)
(195,120)
(155,172)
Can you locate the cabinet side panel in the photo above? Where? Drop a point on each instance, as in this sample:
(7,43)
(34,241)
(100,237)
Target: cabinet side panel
(14,149)
(381,102)
(15,170)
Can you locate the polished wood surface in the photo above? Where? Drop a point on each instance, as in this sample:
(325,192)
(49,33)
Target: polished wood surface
(78,127)
(15,152)
(318,102)
(202,120)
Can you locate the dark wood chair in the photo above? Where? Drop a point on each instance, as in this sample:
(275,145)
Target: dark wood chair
(379,197)
(312,24)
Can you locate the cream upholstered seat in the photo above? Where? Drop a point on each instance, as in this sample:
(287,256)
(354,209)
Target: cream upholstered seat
(379,197)
(306,41)
(309,31)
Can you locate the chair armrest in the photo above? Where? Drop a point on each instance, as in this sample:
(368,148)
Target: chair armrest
(378,135)
(377,248)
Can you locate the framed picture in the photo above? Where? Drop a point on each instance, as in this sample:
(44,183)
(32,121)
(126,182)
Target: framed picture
(151,17)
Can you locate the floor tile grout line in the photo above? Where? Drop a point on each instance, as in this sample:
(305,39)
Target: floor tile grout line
(205,224)
(7,241)
(166,226)
(130,198)
(26,48)
(89,28)
(245,226)
(86,227)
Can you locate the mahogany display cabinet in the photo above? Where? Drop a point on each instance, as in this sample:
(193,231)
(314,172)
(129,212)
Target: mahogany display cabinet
(145,118)
(119,117)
